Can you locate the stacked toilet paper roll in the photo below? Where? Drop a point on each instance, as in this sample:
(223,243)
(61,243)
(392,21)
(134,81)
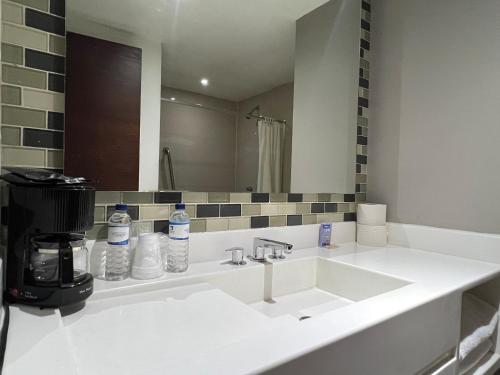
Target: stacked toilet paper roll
(372,224)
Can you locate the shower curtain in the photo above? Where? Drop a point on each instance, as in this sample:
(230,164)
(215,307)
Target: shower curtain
(271,150)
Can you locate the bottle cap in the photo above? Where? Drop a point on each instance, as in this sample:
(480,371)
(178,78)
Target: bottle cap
(121,207)
(180,206)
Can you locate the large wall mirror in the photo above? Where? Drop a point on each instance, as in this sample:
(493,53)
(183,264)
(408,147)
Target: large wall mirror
(225,95)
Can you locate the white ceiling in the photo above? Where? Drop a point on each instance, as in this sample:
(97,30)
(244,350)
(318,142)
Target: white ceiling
(244,47)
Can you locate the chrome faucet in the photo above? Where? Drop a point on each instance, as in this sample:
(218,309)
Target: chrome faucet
(278,249)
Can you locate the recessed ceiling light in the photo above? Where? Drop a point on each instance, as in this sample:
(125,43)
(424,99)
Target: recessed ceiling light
(204,82)
(172,99)
(199,104)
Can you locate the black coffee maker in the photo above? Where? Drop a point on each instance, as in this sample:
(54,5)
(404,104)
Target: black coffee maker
(44,218)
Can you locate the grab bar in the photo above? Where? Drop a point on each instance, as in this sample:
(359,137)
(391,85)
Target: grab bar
(166,150)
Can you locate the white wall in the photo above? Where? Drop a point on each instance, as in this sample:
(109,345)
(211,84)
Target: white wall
(325,99)
(435,118)
(150,92)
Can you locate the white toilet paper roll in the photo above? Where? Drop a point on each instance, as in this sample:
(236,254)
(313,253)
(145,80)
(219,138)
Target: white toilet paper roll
(372,235)
(372,214)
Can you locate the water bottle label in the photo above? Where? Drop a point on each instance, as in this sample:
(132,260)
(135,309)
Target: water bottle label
(178,231)
(118,235)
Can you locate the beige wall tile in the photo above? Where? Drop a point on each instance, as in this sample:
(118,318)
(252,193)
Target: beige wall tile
(240,197)
(337,198)
(11,136)
(156,212)
(100,213)
(215,225)
(23,156)
(330,218)
(287,209)
(309,219)
(193,197)
(309,197)
(303,208)
(361,178)
(324,197)
(239,223)
(11,95)
(343,207)
(278,197)
(360,197)
(363,93)
(37,4)
(23,116)
(12,13)
(137,197)
(57,45)
(139,227)
(198,225)
(55,159)
(108,197)
(277,221)
(365,35)
(24,77)
(190,210)
(12,54)
(24,37)
(218,197)
(362,121)
(268,209)
(353,207)
(250,209)
(43,100)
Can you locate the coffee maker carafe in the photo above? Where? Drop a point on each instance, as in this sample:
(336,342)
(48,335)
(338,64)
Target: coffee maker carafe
(46,215)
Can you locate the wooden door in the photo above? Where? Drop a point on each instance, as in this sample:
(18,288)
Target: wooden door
(103,105)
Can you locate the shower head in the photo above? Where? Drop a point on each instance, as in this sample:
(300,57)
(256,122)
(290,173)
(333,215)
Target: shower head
(250,114)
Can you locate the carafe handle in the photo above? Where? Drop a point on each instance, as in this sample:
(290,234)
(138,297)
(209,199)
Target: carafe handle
(66,272)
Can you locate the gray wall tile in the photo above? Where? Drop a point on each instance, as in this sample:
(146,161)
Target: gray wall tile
(23,116)
(24,77)
(11,135)
(37,4)
(11,95)
(12,54)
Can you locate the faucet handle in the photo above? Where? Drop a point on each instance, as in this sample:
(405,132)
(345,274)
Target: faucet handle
(237,255)
(277,253)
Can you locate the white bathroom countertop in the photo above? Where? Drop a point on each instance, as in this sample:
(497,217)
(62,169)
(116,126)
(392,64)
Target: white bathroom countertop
(202,330)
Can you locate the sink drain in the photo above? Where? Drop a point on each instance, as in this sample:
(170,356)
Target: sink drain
(304,317)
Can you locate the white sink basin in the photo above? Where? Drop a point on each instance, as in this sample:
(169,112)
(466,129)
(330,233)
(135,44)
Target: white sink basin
(307,287)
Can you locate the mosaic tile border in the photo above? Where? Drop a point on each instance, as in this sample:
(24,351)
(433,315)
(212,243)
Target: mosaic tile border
(211,212)
(33,75)
(363,99)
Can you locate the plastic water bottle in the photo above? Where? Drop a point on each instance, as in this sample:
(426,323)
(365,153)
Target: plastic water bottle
(118,250)
(178,244)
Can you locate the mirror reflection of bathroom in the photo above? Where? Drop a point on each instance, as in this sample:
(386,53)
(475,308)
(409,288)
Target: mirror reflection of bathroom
(242,97)
(227,103)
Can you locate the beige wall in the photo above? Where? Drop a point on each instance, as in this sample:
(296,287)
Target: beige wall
(327,53)
(435,117)
(201,139)
(276,103)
